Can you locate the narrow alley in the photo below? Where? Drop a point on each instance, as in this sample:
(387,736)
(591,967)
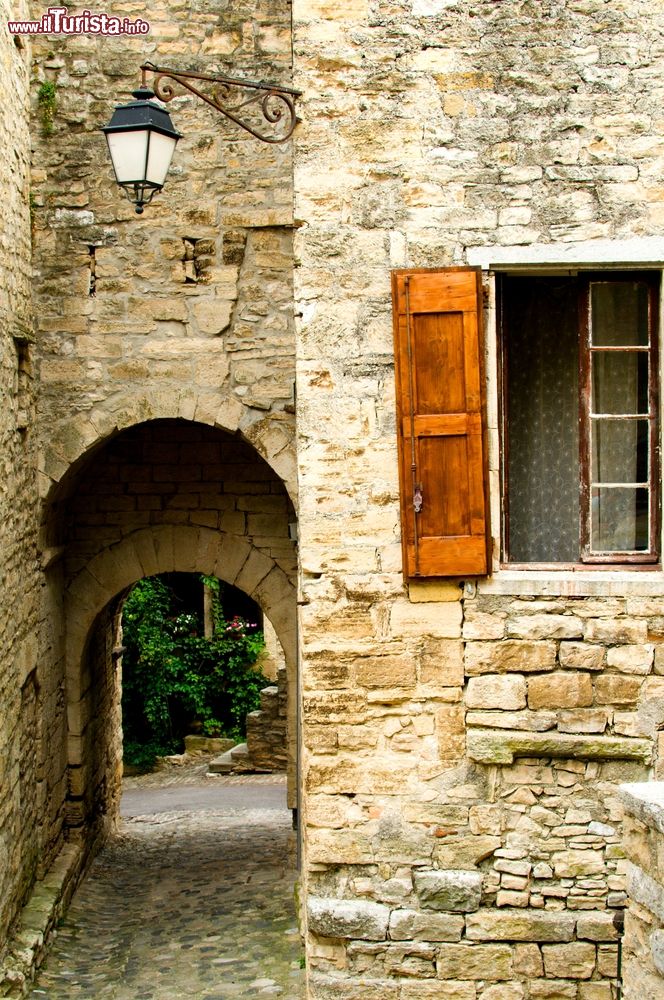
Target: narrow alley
(196,903)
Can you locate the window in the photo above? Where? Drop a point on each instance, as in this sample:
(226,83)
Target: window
(580,467)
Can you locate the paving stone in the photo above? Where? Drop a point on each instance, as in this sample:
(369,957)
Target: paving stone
(182,905)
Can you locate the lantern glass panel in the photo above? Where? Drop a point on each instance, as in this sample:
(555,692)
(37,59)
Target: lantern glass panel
(129,154)
(160,154)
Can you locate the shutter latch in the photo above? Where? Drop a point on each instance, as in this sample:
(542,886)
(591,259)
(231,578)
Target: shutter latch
(418,498)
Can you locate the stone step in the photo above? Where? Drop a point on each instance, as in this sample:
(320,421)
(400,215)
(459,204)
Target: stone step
(222,764)
(227,762)
(240,753)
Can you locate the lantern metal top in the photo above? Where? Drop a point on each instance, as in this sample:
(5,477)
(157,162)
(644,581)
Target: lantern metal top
(141,113)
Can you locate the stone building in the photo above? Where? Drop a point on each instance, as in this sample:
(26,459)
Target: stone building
(425,330)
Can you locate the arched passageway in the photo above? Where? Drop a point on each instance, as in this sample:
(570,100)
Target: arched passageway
(161,497)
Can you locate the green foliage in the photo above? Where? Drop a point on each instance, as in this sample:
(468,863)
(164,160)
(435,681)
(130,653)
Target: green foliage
(142,756)
(46,102)
(175,680)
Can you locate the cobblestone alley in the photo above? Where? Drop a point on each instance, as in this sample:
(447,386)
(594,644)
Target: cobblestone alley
(186,904)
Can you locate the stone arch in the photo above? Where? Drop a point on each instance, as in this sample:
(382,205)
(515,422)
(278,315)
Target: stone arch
(93,597)
(183,549)
(74,441)
(160,495)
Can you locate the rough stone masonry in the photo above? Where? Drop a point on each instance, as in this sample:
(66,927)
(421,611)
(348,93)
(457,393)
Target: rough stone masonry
(462,741)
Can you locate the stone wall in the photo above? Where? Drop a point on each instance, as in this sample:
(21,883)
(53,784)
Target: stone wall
(462,742)
(643,945)
(185,313)
(267,729)
(24,690)
(186,310)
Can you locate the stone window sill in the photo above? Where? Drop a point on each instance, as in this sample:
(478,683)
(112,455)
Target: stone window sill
(568,583)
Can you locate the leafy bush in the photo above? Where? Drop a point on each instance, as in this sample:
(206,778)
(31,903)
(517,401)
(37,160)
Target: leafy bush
(175,680)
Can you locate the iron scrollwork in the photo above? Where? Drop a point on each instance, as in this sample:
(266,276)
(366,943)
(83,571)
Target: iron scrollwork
(275,103)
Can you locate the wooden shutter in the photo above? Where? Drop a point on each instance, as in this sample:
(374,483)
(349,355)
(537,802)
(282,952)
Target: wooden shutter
(439,413)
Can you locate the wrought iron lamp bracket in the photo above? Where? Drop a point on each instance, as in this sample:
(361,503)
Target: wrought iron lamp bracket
(231,96)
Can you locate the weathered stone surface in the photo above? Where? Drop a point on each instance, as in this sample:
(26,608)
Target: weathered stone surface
(465,852)
(583,720)
(597,927)
(631,659)
(657,949)
(573,863)
(438,990)
(207,744)
(509,657)
(532,722)
(504,991)
(553,989)
(560,690)
(417,926)
(325,986)
(545,627)
(575,960)
(453,891)
(614,689)
(581,656)
(496,691)
(619,630)
(474,961)
(528,961)
(423,591)
(501,747)
(348,918)
(500,925)
(515,136)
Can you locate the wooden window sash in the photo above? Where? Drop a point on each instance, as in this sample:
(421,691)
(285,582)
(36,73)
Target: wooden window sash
(587,559)
(586,352)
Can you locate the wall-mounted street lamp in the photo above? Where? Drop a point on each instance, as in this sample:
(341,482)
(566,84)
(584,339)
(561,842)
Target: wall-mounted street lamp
(141,137)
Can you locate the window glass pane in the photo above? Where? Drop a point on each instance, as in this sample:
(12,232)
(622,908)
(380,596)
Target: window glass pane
(619,314)
(620,451)
(620,382)
(542,357)
(619,520)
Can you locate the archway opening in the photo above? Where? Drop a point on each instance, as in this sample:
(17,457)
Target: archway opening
(198,677)
(165,496)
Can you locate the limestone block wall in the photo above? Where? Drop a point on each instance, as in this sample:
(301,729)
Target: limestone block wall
(462,741)
(267,727)
(173,472)
(643,946)
(94,779)
(30,707)
(186,310)
(185,313)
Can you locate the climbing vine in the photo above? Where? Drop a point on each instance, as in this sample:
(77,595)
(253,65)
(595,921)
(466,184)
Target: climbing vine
(46,102)
(176,681)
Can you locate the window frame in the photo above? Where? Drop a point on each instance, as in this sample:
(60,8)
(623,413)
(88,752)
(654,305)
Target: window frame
(587,560)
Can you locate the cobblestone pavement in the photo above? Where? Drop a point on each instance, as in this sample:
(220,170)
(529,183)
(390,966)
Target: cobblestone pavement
(183,905)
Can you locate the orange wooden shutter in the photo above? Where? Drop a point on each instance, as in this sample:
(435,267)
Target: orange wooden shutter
(439,413)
